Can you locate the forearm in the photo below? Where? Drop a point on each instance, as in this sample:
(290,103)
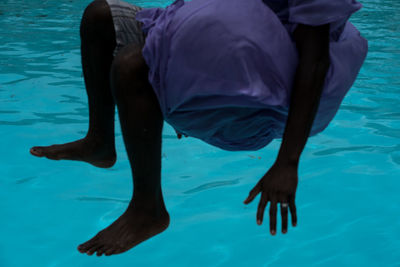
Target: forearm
(308,84)
(303,107)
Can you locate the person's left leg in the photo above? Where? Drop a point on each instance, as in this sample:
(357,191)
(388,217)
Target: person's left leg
(141,123)
(97,47)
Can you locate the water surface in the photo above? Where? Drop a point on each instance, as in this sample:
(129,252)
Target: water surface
(348,201)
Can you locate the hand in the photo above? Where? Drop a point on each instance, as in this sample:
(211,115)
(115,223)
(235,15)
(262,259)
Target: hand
(278,185)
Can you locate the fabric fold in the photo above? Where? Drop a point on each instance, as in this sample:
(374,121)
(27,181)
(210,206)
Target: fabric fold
(223,70)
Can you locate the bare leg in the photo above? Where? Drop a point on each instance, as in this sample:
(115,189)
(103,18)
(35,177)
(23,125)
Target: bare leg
(141,124)
(98,43)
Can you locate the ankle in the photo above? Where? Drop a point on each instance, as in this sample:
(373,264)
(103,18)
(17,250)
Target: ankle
(148,202)
(99,140)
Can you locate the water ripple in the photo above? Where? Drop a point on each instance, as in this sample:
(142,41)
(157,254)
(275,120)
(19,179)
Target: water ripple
(46,118)
(371,149)
(384,130)
(211,185)
(9,111)
(25,180)
(102,199)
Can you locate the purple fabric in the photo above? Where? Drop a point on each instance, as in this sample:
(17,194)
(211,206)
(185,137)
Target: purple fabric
(319,12)
(223,70)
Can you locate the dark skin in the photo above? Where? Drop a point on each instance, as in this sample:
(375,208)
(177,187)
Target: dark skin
(122,81)
(279,184)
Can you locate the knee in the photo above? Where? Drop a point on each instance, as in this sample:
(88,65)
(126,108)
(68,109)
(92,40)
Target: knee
(129,72)
(96,21)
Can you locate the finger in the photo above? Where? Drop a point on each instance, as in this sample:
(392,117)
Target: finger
(253,193)
(261,207)
(272,214)
(179,136)
(292,207)
(284,214)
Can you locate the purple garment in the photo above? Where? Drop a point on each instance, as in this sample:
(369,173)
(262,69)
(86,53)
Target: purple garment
(223,70)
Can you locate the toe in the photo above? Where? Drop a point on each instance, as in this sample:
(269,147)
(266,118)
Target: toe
(110,251)
(101,250)
(94,248)
(37,151)
(83,248)
(119,250)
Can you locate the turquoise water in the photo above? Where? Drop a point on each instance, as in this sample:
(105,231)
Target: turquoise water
(348,200)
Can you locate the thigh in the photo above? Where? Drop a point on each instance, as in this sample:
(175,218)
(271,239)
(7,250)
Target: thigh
(129,72)
(97,23)
(127,28)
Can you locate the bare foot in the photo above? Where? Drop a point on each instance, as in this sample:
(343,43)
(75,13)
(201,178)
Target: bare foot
(97,153)
(132,228)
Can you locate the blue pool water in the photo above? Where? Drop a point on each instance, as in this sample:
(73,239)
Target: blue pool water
(348,200)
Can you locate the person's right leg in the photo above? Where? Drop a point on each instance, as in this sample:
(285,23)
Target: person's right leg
(97,46)
(141,124)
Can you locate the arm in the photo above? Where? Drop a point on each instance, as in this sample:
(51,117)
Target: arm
(279,184)
(313,48)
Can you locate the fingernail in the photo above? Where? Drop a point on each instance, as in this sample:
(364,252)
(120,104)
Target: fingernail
(259,222)
(273,232)
(284,231)
(294,224)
